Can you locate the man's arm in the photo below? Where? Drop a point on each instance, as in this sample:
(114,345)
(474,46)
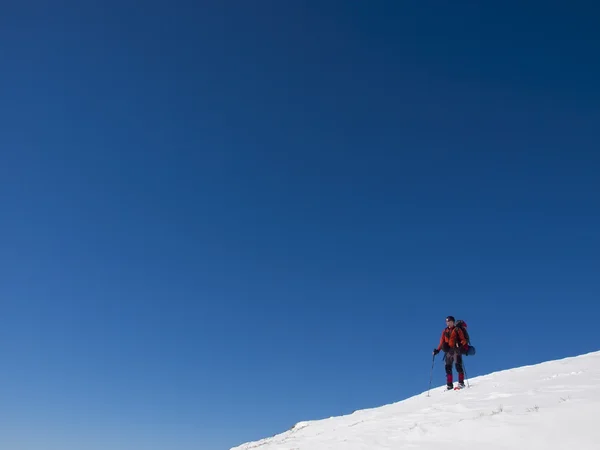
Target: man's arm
(442,340)
(463,339)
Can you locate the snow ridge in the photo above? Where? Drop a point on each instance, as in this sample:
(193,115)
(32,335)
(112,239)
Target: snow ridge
(551,406)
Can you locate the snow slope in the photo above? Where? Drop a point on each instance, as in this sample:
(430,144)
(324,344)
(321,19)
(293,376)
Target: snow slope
(550,406)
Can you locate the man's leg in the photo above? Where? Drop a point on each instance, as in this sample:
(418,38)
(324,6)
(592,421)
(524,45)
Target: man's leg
(460,370)
(449,358)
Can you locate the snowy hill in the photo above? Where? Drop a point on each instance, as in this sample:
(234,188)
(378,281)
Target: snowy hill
(551,406)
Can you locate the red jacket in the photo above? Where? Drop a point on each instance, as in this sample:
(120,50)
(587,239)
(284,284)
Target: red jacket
(453,337)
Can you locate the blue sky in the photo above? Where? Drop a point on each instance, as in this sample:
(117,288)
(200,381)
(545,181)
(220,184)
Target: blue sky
(220,220)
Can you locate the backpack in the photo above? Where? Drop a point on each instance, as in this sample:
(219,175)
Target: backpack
(463,327)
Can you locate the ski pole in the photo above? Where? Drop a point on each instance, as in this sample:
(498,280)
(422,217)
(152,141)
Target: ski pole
(465,371)
(431,374)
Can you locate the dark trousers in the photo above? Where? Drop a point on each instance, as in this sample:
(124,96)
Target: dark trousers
(454,357)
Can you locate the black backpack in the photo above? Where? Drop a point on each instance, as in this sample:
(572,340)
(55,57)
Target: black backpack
(463,326)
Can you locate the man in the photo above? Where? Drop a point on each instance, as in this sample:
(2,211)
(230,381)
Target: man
(454,344)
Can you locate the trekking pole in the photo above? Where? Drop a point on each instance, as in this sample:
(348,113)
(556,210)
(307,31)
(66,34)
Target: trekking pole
(465,371)
(431,374)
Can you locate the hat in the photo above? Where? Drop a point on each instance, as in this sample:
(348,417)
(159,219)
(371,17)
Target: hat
(450,318)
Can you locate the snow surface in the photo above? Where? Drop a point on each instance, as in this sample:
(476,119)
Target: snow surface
(550,406)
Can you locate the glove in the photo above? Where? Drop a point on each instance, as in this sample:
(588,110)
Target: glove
(435,351)
(465,348)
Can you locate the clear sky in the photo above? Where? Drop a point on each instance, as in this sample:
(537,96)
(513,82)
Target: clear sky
(220,219)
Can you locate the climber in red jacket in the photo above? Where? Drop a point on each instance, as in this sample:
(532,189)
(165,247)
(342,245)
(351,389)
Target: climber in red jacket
(454,344)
